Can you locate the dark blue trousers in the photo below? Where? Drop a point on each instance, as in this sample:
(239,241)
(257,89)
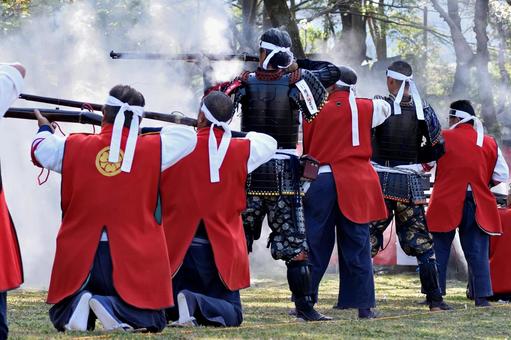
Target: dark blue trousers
(209,301)
(323,219)
(100,282)
(3,316)
(475,244)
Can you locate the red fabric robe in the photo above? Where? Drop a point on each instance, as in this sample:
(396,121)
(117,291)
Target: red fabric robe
(97,196)
(328,138)
(11,268)
(500,255)
(464,163)
(188,197)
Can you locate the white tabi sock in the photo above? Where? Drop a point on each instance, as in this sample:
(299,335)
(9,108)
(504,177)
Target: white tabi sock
(184,312)
(80,317)
(108,321)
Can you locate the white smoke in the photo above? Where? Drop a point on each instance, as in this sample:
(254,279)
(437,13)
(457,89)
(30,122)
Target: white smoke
(66,53)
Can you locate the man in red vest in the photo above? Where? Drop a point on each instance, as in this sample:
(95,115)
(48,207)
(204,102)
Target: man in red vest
(346,196)
(462,199)
(11,271)
(111,252)
(202,217)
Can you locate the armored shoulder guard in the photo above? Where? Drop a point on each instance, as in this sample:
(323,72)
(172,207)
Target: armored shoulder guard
(328,75)
(434,148)
(308,94)
(433,124)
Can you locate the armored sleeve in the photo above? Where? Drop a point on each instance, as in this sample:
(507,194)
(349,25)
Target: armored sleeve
(327,73)
(433,146)
(308,93)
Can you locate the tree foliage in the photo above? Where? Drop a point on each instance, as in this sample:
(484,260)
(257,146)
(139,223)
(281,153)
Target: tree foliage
(459,48)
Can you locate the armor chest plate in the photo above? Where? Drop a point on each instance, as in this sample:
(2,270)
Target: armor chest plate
(267,109)
(398,139)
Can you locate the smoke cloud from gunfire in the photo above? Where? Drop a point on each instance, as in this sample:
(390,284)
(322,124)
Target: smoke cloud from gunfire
(66,53)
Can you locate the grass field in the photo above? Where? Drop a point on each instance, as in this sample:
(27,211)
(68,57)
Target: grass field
(266,305)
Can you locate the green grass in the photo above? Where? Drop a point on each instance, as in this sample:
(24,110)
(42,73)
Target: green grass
(266,305)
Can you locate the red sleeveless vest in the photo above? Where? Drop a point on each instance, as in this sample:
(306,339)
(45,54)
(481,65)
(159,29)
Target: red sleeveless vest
(328,139)
(11,268)
(464,163)
(188,197)
(96,195)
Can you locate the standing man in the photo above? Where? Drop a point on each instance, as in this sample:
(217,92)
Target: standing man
(402,146)
(271,98)
(11,268)
(472,163)
(202,217)
(346,196)
(111,253)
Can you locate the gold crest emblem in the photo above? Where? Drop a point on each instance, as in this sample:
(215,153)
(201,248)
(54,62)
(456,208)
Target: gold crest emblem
(104,166)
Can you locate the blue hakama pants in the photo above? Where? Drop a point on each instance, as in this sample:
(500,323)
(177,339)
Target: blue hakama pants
(324,220)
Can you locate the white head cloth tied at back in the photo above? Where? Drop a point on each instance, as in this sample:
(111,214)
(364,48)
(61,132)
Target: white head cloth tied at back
(115,143)
(216,153)
(413,90)
(465,117)
(355,140)
(274,50)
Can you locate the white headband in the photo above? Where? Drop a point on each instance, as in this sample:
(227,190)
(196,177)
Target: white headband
(115,143)
(274,50)
(216,153)
(355,140)
(413,89)
(465,117)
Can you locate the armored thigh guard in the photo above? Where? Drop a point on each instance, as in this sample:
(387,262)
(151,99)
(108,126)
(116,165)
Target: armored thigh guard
(377,228)
(286,221)
(253,218)
(412,230)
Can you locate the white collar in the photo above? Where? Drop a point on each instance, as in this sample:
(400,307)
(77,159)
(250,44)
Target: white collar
(419,110)
(115,143)
(216,153)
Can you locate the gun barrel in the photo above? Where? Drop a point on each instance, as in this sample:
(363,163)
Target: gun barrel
(171,118)
(56,115)
(61,102)
(188,57)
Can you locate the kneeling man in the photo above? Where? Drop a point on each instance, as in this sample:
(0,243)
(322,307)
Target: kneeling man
(202,218)
(111,253)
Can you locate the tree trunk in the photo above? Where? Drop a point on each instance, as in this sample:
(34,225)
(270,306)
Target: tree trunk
(462,49)
(249,12)
(501,61)
(352,44)
(381,44)
(280,16)
(378,30)
(484,82)
(502,99)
